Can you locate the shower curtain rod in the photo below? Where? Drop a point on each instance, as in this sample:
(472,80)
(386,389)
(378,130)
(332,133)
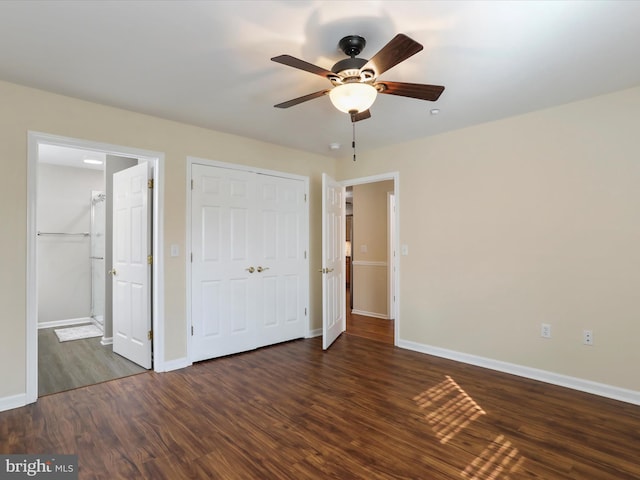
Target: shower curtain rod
(79,234)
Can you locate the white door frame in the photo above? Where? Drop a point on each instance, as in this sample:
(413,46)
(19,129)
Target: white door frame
(156,159)
(305,240)
(395,176)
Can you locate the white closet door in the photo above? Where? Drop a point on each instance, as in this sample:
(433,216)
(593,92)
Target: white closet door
(279,258)
(248,286)
(223,309)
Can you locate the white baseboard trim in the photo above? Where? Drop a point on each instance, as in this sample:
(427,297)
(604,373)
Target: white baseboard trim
(106,341)
(368,263)
(314,333)
(383,316)
(171,365)
(13,401)
(97,323)
(65,322)
(601,389)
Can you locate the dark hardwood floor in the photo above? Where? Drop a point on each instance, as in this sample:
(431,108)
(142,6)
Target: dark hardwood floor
(361,410)
(67,365)
(372,328)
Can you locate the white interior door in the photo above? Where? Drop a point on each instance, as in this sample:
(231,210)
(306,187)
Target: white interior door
(279,259)
(333,259)
(223,235)
(131,269)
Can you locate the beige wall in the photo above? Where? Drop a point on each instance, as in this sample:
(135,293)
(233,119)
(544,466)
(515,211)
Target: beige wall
(23,109)
(522,221)
(509,224)
(370,274)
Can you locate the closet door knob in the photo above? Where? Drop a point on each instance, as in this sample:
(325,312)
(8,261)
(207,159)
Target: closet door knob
(113,272)
(262,269)
(251,269)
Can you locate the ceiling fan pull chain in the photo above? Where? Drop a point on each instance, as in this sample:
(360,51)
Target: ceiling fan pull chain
(353,142)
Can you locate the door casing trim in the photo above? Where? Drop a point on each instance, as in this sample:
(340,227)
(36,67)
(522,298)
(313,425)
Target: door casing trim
(395,176)
(35,139)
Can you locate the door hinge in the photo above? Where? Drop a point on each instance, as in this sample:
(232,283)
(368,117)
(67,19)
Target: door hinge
(192,330)
(150,259)
(305,254)
(305,198)
(150,335)
(191,184)
(150,183)
(191,257)
(305,311)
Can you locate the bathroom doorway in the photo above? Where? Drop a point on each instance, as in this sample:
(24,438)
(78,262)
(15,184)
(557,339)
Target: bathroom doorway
(39,142)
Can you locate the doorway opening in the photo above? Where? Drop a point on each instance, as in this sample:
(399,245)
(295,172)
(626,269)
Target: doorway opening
(69,211)
(370,259)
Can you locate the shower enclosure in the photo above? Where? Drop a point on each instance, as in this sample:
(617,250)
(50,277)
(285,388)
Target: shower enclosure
(97,257)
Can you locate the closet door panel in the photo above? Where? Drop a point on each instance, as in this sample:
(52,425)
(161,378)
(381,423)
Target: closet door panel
(280,209)
(222,307)
(211,298)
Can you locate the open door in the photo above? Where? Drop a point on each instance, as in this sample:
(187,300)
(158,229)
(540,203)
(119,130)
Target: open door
(333,259)
(131,271)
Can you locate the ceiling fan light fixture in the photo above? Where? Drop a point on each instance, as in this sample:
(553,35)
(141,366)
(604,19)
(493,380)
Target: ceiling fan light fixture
(353,96)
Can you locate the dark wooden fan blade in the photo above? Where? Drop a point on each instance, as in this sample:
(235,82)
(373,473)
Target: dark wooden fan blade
(298,100)
(302,65)
(413,90)
(356,117)
(397,50)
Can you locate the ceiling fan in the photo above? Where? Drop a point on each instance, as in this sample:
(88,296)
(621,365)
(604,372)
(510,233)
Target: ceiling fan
(355,80)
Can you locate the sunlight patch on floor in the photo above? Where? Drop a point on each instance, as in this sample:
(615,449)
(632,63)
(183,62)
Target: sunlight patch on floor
(449,409)
(498,460)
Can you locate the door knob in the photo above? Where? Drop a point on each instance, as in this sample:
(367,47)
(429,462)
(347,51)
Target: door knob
(262,269)
(112,272)
(251,269)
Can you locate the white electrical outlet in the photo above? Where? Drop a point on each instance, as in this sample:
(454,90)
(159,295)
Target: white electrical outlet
(545,331)
(587,337)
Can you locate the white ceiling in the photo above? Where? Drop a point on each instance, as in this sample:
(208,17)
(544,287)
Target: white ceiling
(207,63)
(70,157)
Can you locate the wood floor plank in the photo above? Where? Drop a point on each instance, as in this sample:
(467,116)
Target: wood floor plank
(372,328)
(68,365)
(363,409)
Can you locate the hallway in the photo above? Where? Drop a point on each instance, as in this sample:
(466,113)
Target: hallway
(377,329)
